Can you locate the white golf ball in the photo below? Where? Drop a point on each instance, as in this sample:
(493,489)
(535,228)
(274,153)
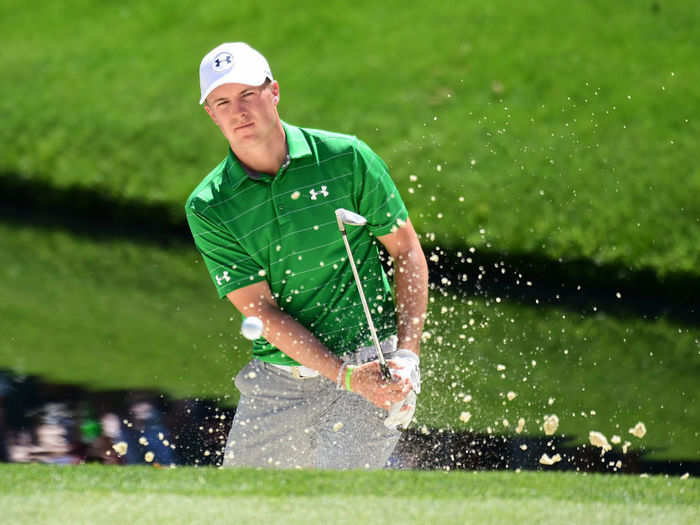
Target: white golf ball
(252,328)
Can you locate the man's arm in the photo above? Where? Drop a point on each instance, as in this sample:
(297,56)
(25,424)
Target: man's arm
(411,284)
(290,336)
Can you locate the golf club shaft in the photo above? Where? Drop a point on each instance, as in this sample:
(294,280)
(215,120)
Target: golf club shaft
(382,362)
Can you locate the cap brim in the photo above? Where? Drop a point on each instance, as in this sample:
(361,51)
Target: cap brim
(234,77)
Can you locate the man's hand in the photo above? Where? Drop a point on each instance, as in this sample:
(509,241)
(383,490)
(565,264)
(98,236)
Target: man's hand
(405,364)
(367,381)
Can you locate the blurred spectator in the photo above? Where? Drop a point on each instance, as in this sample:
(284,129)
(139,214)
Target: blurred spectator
(63,424)
(56,435)
(146,437)
(97,446)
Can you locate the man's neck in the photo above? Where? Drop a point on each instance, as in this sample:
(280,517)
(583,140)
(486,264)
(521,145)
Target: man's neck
(265,157)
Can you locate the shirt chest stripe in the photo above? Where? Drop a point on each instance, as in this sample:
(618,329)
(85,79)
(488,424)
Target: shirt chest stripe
(289,214)
(295,274)
(312,249)
(217,204)
(326,159)
(306,166)
(267,246)
(284,194)
(319,268)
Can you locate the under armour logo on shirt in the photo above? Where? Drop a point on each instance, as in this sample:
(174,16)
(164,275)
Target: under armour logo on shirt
(315,194)
(220,280)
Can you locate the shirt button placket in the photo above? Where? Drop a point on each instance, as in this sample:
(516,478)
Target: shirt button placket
(277,201)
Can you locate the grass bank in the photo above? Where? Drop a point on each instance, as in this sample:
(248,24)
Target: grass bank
(114,495)
(563,131)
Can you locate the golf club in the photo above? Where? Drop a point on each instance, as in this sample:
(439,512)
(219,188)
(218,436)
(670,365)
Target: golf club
(348,217)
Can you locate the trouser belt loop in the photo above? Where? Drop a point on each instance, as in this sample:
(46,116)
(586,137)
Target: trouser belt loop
(297,372)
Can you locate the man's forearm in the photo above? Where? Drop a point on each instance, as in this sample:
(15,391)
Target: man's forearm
(300,344)
(295,340)
(411,283)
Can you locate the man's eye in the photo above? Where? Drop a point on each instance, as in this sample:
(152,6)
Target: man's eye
(222,103)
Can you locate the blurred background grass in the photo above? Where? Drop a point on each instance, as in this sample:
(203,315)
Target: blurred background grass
(563,133)
(567,130)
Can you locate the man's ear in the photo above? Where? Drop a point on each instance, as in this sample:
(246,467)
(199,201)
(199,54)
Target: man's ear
(275,88)
(210,113)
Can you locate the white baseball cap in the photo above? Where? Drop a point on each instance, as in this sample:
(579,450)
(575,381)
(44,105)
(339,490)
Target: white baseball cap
(232,62)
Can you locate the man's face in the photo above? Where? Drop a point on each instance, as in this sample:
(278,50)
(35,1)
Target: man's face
(246,115)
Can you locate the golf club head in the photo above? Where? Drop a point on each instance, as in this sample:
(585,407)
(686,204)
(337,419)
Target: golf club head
(349,217)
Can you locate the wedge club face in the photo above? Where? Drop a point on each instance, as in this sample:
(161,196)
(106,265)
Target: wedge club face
(348,217)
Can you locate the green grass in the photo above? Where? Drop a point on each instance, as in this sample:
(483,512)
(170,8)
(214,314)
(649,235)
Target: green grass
(567,131)
(94,494)
(595,372)
(111,314)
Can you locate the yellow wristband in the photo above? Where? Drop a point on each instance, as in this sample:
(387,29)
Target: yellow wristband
(348,375)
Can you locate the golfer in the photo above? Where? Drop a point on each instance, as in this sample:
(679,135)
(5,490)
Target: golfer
(313,396)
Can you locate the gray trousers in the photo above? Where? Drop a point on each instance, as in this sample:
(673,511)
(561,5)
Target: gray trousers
(286,422)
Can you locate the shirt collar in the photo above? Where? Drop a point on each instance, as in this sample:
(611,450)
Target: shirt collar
(296,142)
(297,148)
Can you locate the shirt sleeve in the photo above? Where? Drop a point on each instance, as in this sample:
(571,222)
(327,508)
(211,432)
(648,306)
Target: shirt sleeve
(378,200)
(230,266)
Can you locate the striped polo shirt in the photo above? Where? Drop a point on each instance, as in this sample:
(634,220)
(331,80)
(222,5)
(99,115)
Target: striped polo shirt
(283,229)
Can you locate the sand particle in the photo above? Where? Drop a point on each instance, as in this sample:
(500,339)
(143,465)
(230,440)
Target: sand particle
(551,423)
(120,448)
(546,460)
(639,430)
(597,439)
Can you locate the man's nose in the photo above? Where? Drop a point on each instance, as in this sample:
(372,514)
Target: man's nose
(239,108)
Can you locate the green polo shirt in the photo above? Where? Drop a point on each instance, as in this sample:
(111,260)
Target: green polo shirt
(283,229)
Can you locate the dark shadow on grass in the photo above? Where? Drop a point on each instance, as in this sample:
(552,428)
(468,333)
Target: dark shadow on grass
(92,212)
(580,285)
(583,286)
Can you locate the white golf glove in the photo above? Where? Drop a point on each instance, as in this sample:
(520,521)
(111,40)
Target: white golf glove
(401,413)
(405,364)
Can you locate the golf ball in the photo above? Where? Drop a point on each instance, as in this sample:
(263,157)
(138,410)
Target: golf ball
(252,328)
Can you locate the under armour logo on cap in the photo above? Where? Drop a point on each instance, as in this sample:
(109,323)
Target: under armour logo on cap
(222,62)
